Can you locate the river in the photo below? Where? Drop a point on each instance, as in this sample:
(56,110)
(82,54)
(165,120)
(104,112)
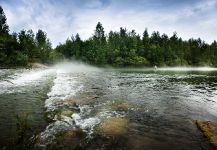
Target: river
(68,104)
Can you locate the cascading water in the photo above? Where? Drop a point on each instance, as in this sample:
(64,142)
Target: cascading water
(68,87)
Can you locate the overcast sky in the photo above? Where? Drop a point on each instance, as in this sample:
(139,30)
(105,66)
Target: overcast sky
(62,18)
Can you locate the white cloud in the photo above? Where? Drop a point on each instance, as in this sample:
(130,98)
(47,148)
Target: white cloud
(61,20)
(94,4)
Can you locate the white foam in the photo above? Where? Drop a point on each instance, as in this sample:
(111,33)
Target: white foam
(65,86)
(48,135)
(77,120)
(85,124)
(26,77)
(31,76)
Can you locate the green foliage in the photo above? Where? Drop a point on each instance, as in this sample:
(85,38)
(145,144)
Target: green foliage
(24,47)
(55,56)
(18,59)
(4,29)
(43,46)
(123,48)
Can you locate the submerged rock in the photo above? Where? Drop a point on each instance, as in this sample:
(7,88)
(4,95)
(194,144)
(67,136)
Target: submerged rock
(113,126)
(67,113)
(120,105)
(209,130)
(72,135)
(47,137)
(68,139)
(72,102)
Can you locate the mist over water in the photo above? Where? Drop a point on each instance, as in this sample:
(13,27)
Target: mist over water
(161,104)
(187,69)
(75,67)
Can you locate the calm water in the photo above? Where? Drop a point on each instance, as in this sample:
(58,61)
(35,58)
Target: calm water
(163,105)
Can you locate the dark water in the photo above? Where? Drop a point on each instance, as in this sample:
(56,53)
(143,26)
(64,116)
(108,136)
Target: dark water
(163,105)
(22,92)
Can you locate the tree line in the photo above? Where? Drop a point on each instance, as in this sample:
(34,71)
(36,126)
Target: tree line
(18,49)
(120,48)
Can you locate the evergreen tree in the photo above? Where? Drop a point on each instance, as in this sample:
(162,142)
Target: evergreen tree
(78,43)
(4,29)
(43,46)
(99,40)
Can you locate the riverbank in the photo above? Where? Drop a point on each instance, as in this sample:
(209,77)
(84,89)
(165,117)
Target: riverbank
(28,66)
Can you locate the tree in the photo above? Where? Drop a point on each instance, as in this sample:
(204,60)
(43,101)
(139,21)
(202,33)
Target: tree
(4,29)
(41,38)
(99,34)
(99,41)
(43,46)
(6,48)
(27,43)
(78,43)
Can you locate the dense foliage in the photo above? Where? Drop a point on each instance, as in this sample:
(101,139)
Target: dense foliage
(123,48)
(18,49)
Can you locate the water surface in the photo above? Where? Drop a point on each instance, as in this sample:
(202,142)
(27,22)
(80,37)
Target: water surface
(163,105)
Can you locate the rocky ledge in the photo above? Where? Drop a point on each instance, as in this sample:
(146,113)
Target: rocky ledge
(209,130)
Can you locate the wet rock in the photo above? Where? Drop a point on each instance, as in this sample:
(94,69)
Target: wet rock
(95,88)
(72,135)
(61,115)
(209,130)
(92,97)
(57,114)
(113,126)
(120,105)
(48,136)
(110,134)
(85,98)
(70,139)
(71,102)
(107,143)
(67,113)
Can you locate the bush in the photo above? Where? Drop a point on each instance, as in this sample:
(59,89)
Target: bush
(119,61)
(21,59)
(55,56)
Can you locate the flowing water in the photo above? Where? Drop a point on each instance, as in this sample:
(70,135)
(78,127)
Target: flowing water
(66,105)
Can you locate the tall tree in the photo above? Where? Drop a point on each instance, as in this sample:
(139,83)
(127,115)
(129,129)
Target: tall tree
(99,34)
(43,45)
(78,43)
(99,40)
(4,29)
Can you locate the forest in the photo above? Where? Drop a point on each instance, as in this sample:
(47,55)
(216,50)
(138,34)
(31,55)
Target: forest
(117,48)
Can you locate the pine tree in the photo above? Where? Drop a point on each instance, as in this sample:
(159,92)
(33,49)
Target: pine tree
(4,29)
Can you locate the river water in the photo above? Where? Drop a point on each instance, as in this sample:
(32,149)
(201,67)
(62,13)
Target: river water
(160,106)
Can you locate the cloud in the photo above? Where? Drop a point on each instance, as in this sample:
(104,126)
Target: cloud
(60,19)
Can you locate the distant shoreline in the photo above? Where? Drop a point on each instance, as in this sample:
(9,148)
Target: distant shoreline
(159,68)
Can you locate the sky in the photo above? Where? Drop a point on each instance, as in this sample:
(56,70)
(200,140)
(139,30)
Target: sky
(62,18)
